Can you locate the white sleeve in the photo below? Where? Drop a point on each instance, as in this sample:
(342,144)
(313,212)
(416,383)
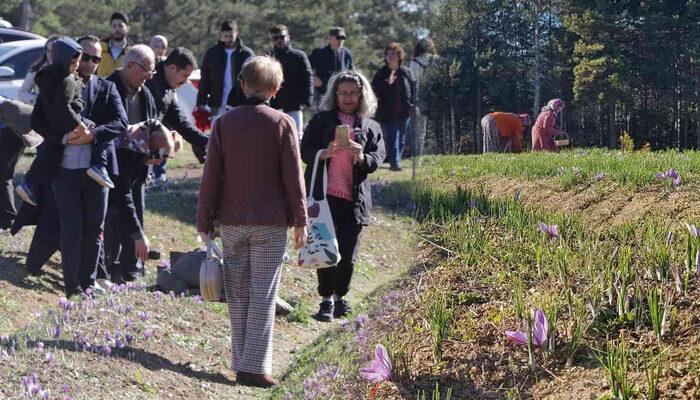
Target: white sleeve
(28,91)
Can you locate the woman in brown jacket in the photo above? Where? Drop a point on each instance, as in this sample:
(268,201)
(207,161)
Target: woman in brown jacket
(253,186)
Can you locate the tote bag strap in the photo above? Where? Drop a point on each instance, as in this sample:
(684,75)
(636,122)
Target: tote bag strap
(313,177)
(213,249)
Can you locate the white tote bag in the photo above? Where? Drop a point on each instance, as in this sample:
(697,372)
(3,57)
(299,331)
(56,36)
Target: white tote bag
(321,249)
(211,281)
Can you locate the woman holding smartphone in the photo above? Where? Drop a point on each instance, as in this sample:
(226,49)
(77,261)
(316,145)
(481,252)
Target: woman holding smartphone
(353,148)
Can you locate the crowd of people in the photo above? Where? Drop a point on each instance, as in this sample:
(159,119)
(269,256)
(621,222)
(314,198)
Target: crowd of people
(109,118)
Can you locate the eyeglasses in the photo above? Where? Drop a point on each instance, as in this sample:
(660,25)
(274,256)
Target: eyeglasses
(149,72)
(278,37)
(88,58)
(355,95)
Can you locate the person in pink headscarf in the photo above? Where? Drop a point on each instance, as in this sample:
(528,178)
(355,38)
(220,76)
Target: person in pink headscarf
(545,127)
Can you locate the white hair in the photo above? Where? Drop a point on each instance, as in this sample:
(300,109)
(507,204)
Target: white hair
(368,101)
(160,38)
(139,53)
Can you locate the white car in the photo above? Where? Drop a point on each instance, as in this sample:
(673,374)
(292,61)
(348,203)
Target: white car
(187,95)
(16,58)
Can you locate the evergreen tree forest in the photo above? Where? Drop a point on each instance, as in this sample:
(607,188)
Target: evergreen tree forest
(620,66)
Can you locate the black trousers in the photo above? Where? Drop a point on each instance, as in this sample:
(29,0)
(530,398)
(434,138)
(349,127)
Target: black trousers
(336,279)
(119,261)
(81,203)
(11,148)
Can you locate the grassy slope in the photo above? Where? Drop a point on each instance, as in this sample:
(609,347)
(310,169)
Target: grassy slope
(478,243)
(187,355)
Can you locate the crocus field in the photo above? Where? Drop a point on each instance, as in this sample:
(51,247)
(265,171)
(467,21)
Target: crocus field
(561,276)
(573,275)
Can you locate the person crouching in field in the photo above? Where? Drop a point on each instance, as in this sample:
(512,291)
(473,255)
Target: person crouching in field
(349,101)
(545,128)
(503,132)
(253,186)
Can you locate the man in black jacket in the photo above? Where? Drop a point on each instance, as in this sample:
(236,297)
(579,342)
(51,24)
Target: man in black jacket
(172,73)
(328,60)
(296,88)
(102,106)
(219,87)
(126,245)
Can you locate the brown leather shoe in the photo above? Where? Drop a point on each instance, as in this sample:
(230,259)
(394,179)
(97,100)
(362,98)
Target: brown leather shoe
(257,380)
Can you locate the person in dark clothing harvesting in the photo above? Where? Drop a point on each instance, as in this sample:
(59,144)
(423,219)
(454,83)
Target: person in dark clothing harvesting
(221,65)
(328,60)
(395,92)
(296,88)
(349,101)
(169,76)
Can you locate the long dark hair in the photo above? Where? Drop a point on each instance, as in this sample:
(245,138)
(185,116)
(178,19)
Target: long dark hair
(44,57)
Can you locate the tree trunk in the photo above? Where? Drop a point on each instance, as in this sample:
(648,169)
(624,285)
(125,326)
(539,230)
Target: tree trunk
(25,20)
(536,76)
(478,140)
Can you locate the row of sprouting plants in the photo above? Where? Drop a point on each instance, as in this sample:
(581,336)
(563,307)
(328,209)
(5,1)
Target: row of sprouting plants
(579,291)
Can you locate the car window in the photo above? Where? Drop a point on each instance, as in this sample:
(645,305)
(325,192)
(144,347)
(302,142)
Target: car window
(22,62)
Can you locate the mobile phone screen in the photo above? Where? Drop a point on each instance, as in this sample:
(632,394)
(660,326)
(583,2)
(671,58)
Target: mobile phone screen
(342,134)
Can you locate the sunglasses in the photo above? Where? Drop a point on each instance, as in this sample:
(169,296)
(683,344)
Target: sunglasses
(278,37)
(89,58)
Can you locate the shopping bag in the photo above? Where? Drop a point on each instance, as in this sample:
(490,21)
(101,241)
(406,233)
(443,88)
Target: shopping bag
(210,274)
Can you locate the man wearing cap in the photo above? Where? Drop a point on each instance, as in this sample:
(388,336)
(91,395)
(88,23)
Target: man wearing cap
(219,89)
(115,47)
(325,61)
(503,132)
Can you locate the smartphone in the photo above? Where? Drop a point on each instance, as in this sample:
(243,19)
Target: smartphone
(342,135)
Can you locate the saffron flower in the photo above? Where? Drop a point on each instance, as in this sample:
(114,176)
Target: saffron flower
(540,331)
(671,174)
(165,263)
(380,368)
(599,176)
(551,230)
(148,332)
(65,304)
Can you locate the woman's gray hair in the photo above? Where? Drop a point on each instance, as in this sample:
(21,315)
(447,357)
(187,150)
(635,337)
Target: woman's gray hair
(262,76)
(368,101)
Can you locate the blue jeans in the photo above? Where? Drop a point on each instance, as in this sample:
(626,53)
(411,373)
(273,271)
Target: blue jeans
(394,139)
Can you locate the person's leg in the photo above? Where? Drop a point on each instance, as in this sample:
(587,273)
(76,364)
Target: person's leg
(98,167)
(298,116)
(236,286)
(267,244)
(390,139)
(66,188)
(348,240)
(94,200)
(11,148)
(401,138)
(112,246)
(46,239)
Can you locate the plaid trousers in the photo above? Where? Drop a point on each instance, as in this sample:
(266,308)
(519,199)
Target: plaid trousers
(252,259)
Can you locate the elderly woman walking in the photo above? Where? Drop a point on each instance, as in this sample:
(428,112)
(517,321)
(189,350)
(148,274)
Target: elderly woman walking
(545,127)
(253,186)
(349,101)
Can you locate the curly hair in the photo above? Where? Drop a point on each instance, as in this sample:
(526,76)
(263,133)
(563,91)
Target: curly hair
(368,101)
(397,49)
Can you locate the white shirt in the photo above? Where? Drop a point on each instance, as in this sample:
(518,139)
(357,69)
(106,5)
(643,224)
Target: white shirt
(228,79)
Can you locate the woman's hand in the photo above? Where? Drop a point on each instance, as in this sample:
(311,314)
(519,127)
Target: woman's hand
(392,77)
(300,236)
(356,150)
(330,151)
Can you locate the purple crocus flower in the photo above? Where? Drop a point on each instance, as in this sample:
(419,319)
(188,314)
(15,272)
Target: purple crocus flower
(165,264)
(540,331)
(551,230)
(198,299)
(143,316)
(147,333)
(669,238)
(65,304)
(599,176)
(380,368)
(128,323)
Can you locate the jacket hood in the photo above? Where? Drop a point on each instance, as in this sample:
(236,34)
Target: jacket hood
(63,51)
